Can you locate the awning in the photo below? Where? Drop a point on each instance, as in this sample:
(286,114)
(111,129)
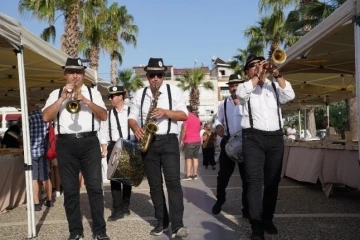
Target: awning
(12,117)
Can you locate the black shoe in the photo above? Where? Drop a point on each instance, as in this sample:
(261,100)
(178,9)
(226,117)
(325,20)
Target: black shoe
(245,214)
(37,207)
(257,237)
(269,227)
(49,204)
(180,232)
(217,208)
(159,229)
(76,237)
(101,236)
(125,210)
(116,215)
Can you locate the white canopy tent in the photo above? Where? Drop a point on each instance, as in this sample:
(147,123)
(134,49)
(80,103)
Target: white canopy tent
(30,69)
(324,65)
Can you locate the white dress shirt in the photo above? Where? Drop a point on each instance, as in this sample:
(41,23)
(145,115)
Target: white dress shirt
(178,104)
(234,116)
(78,122)
(263,104)
(104,135)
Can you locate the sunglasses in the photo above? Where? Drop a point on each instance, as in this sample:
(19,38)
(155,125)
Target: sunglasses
(251,65)
(152,75)
(113,95)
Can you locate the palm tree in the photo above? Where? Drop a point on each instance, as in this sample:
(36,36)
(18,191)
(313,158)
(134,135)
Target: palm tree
(191,81)
(121,27)
(129,80)
(239,61)
(93,35)
(45,10)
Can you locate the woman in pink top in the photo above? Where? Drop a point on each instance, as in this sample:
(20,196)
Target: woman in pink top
(190,141)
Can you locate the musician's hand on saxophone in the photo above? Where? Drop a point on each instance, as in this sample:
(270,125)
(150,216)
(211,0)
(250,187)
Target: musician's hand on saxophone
(159,113)
(139,133)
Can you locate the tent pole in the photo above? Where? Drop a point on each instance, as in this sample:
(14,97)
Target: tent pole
(305,122)
(328,115)
(299,124)
(357,67)
(26,145)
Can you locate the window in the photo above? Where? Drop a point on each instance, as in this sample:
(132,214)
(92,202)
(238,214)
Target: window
(222,72)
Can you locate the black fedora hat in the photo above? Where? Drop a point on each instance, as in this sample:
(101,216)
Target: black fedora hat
(116,90)
(251,58)
(155,65)
(73,64)
(235,78)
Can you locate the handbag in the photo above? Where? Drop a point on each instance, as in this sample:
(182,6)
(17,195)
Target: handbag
(233,147)
(50,138)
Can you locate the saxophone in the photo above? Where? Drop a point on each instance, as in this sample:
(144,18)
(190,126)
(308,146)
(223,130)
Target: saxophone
(150,126)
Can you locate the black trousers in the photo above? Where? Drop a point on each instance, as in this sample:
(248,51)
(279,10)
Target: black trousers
(263,154)
(116,185)
(73,155)
(227,167)
(208,156)
(164,156)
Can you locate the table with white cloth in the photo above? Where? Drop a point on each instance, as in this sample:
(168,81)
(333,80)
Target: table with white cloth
(329,163)
(12,179)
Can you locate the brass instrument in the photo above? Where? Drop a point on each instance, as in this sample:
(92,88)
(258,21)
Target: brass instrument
(73,106)
(278,56)
(150,126)
(125,163)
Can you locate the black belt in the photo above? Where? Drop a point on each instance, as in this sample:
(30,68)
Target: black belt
(164,136)
(77,135)
(265,133)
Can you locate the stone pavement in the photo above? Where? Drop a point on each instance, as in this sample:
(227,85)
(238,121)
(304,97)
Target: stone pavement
(303,212)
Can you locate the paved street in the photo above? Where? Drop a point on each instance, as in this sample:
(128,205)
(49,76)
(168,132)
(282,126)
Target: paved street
(303,212)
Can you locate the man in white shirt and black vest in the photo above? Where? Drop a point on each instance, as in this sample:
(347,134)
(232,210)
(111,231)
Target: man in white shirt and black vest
(229,116)
(113,129)
(263,143)
(78,147)
(163,155)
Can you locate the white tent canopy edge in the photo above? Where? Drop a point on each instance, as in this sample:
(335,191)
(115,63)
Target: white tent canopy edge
(348,11)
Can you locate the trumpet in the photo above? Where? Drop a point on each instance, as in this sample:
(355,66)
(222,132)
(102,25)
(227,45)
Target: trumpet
(278,56)
(73,106)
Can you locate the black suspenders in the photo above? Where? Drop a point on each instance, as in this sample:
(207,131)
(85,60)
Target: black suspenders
(58,115)
(170,106)
(118,123)
(278,108)
(226,120)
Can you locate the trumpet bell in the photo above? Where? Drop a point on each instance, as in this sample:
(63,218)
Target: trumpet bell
(73,106)
(278,56)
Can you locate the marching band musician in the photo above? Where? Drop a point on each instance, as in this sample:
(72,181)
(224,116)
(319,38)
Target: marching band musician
(163,152)
(229,116)
(263,142)
(77,147)
(114,128)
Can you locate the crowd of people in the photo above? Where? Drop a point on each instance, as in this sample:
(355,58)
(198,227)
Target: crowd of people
(88,132)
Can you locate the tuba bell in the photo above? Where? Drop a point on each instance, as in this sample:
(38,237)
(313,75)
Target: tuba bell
(278,56)
(73,106)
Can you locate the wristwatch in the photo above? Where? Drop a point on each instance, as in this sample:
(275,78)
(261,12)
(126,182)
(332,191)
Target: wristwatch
(278,76)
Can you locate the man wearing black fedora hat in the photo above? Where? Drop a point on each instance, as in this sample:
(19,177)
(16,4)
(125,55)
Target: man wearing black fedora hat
(163,152)
(229,116)
(78,147)
(263,143)
(113,129)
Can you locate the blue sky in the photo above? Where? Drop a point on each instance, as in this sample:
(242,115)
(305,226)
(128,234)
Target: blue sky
(179,31)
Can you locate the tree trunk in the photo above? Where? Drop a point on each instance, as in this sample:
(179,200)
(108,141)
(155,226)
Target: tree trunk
(311,125)
(94,57)
(352,117)
(72,30)
(113,70)
(194,100)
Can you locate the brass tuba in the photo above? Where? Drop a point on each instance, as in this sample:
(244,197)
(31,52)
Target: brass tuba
(278,56)
(73,106)
(150,126)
